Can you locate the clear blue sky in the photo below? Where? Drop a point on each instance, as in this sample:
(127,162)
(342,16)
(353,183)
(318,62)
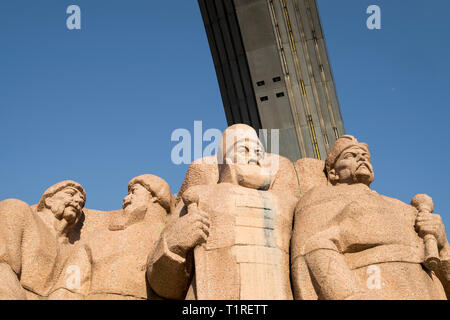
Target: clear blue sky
(99,105)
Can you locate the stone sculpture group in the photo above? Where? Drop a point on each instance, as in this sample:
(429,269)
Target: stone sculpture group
(245,225)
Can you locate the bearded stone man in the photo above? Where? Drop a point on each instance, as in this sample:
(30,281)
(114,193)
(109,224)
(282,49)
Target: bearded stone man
(235,232)
(350,242)
(112,262)
(35,243)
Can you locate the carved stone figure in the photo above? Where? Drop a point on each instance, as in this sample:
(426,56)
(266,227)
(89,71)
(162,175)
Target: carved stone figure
(34,244)
(112,262)
(349,242)
(229,236)
(235,232)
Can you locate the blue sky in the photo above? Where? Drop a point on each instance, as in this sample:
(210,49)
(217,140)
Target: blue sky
(98,105)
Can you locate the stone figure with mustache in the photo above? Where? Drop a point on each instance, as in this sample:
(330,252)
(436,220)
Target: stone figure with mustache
(34,243)
(111,260)
(349,242)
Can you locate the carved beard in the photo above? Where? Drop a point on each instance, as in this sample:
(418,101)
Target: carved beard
(71,215)
(131,214)
(252,176)
(137,211)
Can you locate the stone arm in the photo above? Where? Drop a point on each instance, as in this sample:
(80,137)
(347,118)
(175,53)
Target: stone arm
(170,268)
(427,223)
(14,215)
(302,285)
(444,271)
(10,287)
(331,276)
(13,221)
(168,273)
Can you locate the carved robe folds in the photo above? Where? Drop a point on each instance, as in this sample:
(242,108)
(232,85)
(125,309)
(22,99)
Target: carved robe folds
(246,255)
(345,233)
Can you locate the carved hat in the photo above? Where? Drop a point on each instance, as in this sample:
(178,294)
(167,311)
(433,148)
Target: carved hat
(342,144)
(231,136)
(58,187)
(158,188)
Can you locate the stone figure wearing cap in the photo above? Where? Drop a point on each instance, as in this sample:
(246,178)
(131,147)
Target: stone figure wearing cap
(113,261)
(236,232)
(61,208)
(34,243)
(349,242)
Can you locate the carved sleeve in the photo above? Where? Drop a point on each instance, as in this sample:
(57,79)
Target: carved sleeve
(168,274)
(328,268)
(15,217)
(444,272)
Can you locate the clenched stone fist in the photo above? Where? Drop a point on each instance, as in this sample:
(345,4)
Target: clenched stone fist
(188,231)
(429,223)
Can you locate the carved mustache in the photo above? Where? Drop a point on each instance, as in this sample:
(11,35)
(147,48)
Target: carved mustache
(364,164)
(126,204)
(75,206)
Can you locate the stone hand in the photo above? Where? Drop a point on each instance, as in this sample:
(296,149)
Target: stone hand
(428,223)
(188,231)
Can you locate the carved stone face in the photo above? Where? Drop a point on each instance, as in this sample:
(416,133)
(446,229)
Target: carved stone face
(137,199)
(246,158)
(353,166)
(245,152)
(66,204)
